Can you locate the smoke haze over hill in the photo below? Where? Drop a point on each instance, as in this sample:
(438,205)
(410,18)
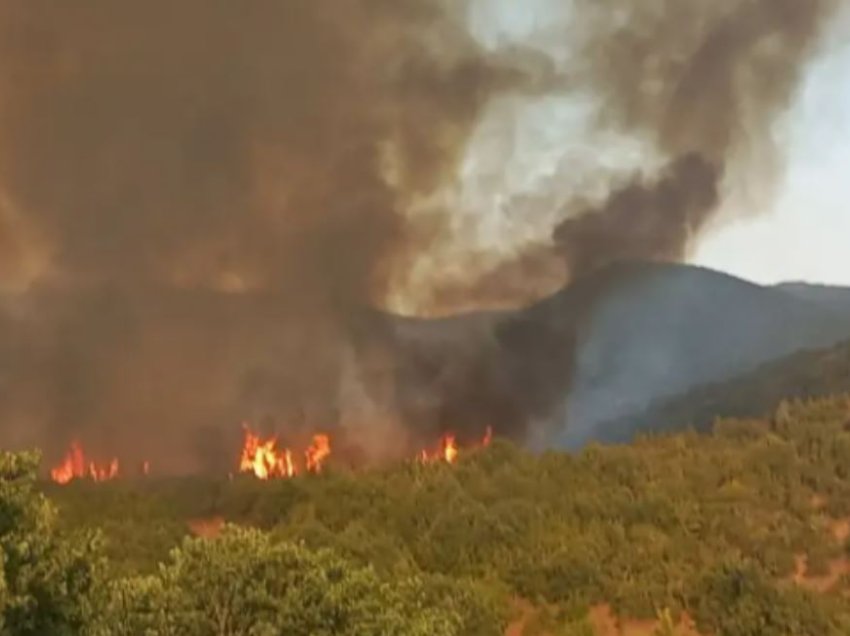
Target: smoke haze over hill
(201,201)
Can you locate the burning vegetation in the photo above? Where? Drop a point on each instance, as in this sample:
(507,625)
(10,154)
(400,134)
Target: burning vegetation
(743,530)
(448,450)
(184,177)
(75,465)
(262,457)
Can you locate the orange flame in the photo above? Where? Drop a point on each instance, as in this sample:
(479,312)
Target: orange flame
(74,466)
(263,459)
(103,472)
(317,453)
(449,451)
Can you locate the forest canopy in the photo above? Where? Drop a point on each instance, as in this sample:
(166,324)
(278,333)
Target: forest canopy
(742,531)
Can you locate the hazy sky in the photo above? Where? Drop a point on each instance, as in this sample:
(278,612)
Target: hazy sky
(806,234)
(800,232)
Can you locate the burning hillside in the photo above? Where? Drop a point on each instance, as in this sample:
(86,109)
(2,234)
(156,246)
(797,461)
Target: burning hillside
(75,465)
(262,457)
(205,208)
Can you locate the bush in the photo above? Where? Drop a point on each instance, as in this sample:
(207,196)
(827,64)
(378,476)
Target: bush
(243,584)
(48,581)
(736,600)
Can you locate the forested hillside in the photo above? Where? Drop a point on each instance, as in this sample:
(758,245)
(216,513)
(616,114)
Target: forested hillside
(659,330)
(741,532)
(805,375)
(605,347)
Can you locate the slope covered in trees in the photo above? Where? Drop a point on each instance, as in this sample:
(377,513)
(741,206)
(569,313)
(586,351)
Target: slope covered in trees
(658,330)
(805,375)
(606,346)
(744,531)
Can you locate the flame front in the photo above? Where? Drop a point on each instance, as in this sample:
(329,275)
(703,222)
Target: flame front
(449,451)
(263,459)
(260,457)
(317,453)
(103,472)
(74,466)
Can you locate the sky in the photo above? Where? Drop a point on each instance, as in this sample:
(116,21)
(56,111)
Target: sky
(805,235)
(800,231)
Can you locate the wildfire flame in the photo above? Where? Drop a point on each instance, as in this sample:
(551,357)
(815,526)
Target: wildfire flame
(104,472)
(317,453)
(448,451)
(263,459)
(260,457)
(74,466)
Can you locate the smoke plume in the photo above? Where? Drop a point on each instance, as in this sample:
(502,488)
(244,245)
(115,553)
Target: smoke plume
(704,83)
(201,200)
(700,88)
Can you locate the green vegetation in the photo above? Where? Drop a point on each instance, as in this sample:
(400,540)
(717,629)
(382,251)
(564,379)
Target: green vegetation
(714,526)
(243,583)
(47,582)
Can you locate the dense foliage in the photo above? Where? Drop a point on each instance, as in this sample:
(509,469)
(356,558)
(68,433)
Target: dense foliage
(244,584)
(47,582)
(741,529)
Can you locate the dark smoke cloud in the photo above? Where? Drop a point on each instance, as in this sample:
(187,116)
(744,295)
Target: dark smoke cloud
(702,82)
(220,186)
(189,142)
(701,85)
(643,221)
(199,199)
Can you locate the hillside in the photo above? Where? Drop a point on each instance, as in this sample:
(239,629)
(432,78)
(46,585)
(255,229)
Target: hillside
(604,347)
(740,532)
(665,329)
(804,375)
(839,297)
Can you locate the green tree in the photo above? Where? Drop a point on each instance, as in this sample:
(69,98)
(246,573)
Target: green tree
(243,584)
(737,600)
(47,581)
(481,607)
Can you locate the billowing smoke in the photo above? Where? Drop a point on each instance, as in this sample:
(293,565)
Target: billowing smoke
(216,190)
(700,87)
(660,218)
(200,200)
(704,84)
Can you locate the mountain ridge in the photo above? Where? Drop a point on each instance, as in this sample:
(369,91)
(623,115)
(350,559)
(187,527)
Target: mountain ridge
(804,375)
(606,346)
